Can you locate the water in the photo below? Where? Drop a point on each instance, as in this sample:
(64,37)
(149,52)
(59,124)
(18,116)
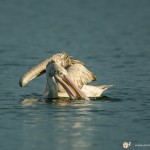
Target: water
(111,38)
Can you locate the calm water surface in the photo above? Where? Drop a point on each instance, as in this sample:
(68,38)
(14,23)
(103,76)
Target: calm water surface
(111,37)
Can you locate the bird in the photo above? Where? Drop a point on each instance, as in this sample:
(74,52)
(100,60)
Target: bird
(66,77)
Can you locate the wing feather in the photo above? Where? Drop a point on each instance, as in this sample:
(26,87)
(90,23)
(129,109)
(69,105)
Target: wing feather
(80,75)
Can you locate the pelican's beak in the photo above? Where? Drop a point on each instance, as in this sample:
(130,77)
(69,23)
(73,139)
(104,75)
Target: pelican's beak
(73,91)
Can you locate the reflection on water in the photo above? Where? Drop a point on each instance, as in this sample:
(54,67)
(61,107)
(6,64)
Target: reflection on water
(30,102)
(65,101)
(71,127)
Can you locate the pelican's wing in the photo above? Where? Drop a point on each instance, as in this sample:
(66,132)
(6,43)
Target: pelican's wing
(61,58)
(80,75)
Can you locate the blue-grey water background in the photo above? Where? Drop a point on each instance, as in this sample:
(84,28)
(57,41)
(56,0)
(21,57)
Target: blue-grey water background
(112,37)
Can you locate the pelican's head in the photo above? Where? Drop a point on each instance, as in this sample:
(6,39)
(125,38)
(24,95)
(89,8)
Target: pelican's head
(53,69)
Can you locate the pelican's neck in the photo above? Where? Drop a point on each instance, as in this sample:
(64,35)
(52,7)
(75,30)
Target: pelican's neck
(51,90)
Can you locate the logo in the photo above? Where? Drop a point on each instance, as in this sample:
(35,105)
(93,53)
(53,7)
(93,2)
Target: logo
(126,144)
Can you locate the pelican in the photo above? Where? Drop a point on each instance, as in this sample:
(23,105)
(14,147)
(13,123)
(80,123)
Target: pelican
(66,77)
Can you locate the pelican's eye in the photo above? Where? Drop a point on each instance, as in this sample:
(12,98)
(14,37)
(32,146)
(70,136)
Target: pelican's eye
(60,73)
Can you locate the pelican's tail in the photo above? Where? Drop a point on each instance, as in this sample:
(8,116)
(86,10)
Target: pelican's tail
(95,90)
(105,87)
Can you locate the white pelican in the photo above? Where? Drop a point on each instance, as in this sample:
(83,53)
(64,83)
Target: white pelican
(65,77)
